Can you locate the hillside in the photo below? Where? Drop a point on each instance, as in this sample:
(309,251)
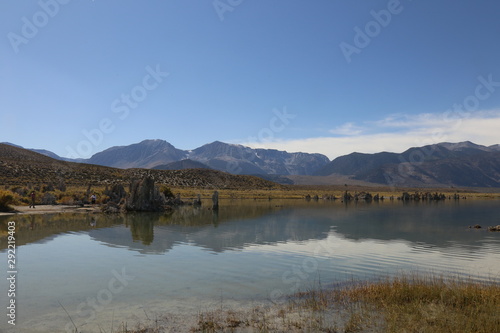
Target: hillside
(462,164)
(232,158)
(443,164)
(182,165)
(19,166)
(238,159)
(146,154)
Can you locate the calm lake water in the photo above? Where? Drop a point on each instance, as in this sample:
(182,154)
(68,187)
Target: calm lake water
(112,269)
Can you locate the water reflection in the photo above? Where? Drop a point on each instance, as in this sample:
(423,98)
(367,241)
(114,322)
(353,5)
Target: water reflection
(190,257)
(243,223)
(230,229)
(43,227)
(439,224)
(142,231)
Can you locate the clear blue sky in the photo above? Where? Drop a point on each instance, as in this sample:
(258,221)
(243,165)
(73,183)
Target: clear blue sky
(287,74)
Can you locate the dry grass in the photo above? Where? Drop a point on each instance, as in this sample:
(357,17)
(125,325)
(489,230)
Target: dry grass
(413,304)
(436,305)
(6,200)
(240,188)
(299,192)
(20,195)
(403,304)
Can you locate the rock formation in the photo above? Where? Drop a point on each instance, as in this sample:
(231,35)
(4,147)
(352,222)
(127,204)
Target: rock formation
(215,201)
(116,201)
(497,228)
(145,197)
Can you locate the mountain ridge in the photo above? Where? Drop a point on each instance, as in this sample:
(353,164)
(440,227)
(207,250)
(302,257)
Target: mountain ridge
(19,166)
(145,154)
(442,164)
(232,158)
(182,165)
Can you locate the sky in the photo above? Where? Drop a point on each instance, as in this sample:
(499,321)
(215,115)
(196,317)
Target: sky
(322,76)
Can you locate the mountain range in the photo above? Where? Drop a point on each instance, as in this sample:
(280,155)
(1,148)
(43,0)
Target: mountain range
(232,158)
(444,164)
(19,166)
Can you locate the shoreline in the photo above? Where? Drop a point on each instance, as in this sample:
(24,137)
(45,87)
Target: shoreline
(330,308)
(190,194)
(51,209)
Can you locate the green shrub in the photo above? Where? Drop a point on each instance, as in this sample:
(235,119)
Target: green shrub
(48,199)
(6,199)
(167,192)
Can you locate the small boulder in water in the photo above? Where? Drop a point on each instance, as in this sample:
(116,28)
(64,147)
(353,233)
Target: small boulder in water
(497,228)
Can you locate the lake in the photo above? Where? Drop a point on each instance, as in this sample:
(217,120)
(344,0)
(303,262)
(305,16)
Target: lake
(104,270)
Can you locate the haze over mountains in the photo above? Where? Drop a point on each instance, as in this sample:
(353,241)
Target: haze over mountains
(444,164)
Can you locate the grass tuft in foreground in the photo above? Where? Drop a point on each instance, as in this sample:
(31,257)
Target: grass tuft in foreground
(414,304)
(407,303)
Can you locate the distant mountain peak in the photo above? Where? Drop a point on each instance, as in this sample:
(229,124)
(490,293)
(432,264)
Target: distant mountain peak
(454,164)
(462,145)
(154,142)
(446,163)
(218,155)
(224,144)
(495,147)
(145,154)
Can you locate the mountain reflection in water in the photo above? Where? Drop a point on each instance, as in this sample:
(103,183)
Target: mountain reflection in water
(243,223)
(184,261)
